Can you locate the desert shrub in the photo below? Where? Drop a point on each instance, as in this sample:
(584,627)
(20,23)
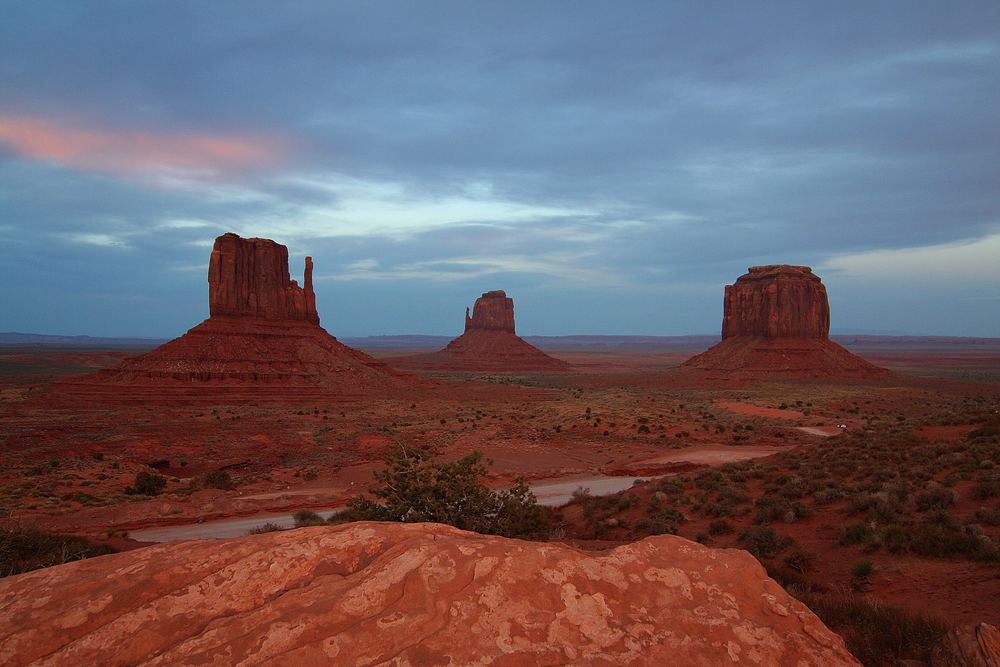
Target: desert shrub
(671,486)
(987,485)
(940,535)
(935,498)
(770,508)
(414,488)
(664,520)
(856,533)
(827,496)
(219,479)
(989,429)
(732,495)
(991,517)
(268,527)
(23,549)
(763,542)
(795,487)
(147,484)
(720,509)
(862,569)
(720,527)
(877,634)
(708,480)
(800,561)
(305,518)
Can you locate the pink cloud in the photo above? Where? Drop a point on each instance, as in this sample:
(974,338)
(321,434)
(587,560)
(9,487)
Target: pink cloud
(131,152)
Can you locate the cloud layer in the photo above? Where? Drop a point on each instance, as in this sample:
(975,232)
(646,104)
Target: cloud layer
(611,169)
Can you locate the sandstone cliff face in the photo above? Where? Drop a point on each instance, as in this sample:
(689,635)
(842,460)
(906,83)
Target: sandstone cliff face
(249,277)
(778,301)
(776,324)
(409,594)
(493,311)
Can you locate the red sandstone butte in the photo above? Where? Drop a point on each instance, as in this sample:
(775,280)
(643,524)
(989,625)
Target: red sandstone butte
(410,594)
(262,340)
(779,301)
(249,278)
(493,311)
(776,323)
(488,344)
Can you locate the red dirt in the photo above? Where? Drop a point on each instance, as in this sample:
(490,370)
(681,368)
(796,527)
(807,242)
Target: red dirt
(760,411)
(66,463)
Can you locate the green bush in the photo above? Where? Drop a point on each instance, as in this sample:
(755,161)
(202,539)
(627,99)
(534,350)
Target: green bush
(800,561)
(763,542)
(268,527)
(876,633)
(147,484)
(414,488)
(935,499)
(219,479)
(720,527)
(987,486)
(862,569)
(305,518)
(25,549)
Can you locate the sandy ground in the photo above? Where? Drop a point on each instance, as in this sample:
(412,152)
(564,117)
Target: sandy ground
(622,416)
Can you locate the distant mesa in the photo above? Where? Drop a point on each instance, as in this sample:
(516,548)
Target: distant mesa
(262,339)
(776,323)
(488,344)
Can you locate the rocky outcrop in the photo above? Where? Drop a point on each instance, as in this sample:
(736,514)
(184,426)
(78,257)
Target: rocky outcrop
(409,594)
(262,341)
(776,324)
(488,344)
(493,311)
(249,278)
(969,646)
(777,301)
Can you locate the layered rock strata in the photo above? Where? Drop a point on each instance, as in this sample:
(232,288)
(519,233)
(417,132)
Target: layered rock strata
(776,324)
(409,594)
(249,278)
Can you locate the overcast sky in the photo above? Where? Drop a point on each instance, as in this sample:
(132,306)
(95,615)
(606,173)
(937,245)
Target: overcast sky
(611,165)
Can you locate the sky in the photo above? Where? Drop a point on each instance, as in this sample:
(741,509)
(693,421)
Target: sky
(610,165)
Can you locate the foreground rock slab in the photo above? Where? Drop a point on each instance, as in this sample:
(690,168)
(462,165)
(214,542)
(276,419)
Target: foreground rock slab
(409,594)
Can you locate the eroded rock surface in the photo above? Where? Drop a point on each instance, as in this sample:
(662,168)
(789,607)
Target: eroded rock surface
(970,646)
(777,301)
(493,311)
(249,277)
(409,594)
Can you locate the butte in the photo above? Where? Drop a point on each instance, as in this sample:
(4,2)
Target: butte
(776,324)
(262,340)
(488,344)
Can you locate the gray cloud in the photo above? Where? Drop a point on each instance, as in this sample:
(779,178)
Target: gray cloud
(611,166)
